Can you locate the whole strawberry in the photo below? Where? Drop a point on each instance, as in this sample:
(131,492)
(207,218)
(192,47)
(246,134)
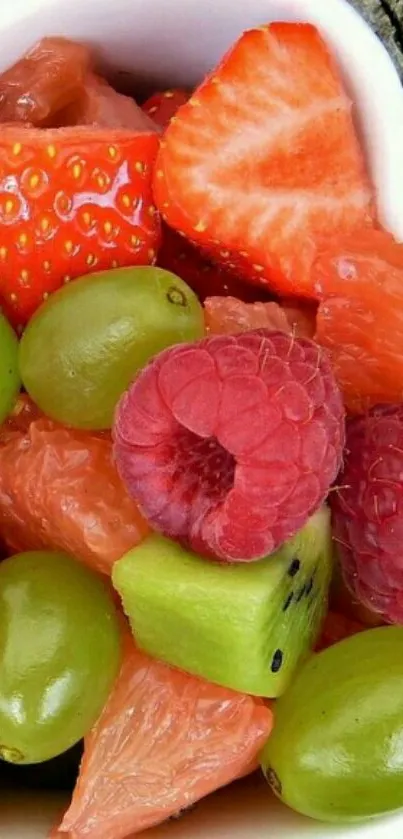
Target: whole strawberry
(368,511)
(231,443)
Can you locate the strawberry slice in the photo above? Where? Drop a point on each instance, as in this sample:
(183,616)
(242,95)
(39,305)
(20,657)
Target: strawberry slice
(206,279)
(163,105)
(263,161)
(72,201)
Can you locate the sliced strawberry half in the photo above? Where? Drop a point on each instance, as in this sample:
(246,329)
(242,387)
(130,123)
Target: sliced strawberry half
(263,161)
(72,200)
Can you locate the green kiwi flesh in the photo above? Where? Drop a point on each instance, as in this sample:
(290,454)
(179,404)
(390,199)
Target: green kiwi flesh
(244,626)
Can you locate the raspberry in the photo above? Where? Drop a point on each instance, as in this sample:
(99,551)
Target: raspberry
(368,511)
(231,443)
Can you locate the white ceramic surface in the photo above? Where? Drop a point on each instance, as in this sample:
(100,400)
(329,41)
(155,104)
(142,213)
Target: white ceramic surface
(174,42)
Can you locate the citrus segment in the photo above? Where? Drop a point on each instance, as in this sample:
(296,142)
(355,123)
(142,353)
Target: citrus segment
(164,740)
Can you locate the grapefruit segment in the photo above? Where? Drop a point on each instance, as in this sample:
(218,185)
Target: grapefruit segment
(359,282)
(60,490)
(43,82)
(164,740)
(228,316)
(100,105)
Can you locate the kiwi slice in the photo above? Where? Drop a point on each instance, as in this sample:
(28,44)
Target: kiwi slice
(243,626)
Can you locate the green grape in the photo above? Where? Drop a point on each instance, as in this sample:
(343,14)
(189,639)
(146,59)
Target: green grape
(87,342)
(9,376)
(59,654)
(335,753)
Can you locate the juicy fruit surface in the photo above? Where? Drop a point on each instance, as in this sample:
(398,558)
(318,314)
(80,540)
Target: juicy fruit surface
(100,105)
(88,341)
(59,490)
(368,511)
(360,319)
(53,86)
(163,105)
(43,82)
(163,741)
(265,151)
(230,444)
(244,626)
(228,316)
(60,654)
(9,376)
(206,278)
(82,200)
(334,751)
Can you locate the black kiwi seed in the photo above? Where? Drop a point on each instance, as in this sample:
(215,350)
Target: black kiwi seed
(288,602)
(309,587)
(277,661)
(300,594)
(294,567)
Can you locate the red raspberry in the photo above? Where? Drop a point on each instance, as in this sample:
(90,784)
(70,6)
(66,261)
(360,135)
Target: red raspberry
(231,443)
(368,511)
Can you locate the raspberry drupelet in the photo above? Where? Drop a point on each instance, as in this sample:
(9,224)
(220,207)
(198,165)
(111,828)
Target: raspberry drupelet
(368,511)
(230,444)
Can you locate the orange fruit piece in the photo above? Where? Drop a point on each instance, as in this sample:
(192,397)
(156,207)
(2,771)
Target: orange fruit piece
(99,104)
(60,490)
(360,318)
(164,740)
(43,82)
(228,315)
(359,266)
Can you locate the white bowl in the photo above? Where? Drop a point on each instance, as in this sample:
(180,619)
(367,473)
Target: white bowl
(176,42)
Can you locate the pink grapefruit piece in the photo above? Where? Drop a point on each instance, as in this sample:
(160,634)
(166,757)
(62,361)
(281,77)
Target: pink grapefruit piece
(164,740)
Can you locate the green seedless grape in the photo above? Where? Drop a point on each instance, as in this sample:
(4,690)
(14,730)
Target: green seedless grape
(86,343)
(335,753)
(59,654)
(9,376)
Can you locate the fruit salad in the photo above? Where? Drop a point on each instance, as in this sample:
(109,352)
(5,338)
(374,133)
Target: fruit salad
(201,441)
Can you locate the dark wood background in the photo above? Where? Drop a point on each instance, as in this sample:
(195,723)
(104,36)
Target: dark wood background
(386,17)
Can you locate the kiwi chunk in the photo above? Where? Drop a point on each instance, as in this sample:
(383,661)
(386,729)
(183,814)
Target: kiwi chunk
(243,626)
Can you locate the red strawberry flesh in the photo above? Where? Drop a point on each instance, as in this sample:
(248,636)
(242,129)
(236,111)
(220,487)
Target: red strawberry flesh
(163,105)
(264,161)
